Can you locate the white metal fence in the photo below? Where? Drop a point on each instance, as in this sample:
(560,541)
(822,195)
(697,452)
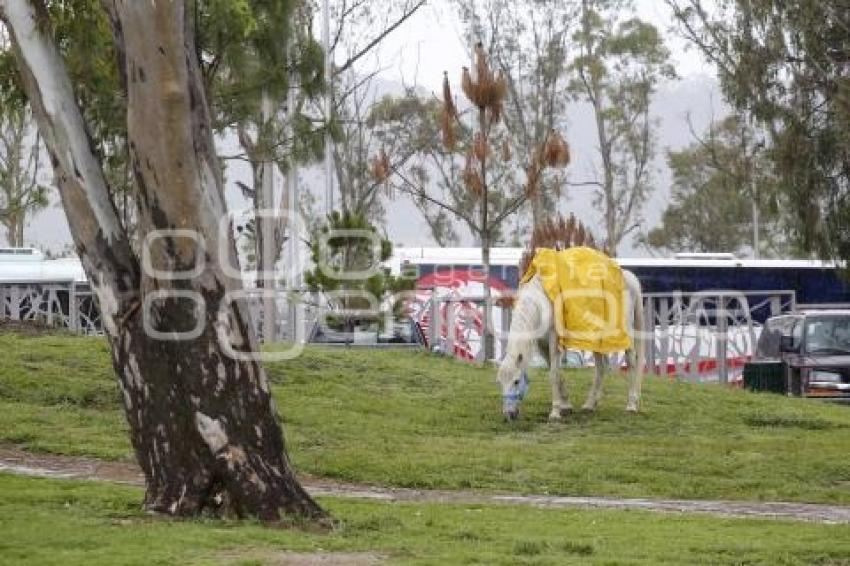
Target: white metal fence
(706,336)
(65,305)
(694,336)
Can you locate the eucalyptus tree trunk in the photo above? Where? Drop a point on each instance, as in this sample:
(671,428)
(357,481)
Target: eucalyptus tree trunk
(264,229)
(202,420)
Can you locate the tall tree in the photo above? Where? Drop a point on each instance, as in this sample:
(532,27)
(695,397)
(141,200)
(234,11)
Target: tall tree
(529,42)
(785,64)
(245,48)
(270,96)
(368,126)
(365,120)
(21,193)
(715,181)
(85,41)
(258,58)
(474,151)
(433,178)
(202,420)
(621,60)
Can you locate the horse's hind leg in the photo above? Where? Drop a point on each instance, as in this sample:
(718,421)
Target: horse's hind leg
(635,378)
(600,361)
(560,396)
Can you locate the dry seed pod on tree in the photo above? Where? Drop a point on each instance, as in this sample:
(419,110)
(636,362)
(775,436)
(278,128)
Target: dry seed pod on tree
(506,151)
(479,147)
(471,177)
(553,153)
(556,152)
(467,85)
(486,90)
(448,99)
(448,116)
(380,167)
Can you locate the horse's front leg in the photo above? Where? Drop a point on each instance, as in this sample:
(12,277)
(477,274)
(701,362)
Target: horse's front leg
(560,396)
(595,393)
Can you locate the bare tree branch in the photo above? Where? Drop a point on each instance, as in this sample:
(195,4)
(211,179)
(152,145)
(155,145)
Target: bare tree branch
(380,37)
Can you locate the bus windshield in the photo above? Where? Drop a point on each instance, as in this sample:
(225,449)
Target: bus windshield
(828,335)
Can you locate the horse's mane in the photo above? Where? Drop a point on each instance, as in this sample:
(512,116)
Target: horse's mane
(558,234)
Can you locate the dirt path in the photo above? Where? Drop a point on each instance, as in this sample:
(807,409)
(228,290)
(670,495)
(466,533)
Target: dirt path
(16,461)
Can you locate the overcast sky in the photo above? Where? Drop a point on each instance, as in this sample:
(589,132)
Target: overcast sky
(429,43)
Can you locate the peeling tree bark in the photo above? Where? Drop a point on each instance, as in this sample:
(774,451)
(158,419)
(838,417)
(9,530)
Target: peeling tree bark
(203,424)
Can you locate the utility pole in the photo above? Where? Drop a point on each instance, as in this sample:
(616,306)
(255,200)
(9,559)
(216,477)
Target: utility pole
(326,37)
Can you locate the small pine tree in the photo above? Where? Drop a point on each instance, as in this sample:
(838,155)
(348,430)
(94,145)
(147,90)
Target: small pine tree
(346,253)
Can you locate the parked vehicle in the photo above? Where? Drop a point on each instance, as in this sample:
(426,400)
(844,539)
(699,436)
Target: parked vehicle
(805,353)
(403,333)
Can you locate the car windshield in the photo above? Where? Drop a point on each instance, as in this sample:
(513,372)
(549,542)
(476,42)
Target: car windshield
(828,335)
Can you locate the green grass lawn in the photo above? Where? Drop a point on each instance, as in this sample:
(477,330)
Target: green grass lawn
(410,419)
(45,522)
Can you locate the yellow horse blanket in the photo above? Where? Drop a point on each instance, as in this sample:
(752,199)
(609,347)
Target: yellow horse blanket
(587,291)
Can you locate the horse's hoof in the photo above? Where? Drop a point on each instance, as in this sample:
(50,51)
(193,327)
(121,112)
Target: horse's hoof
(632,409)
(588,408)
(555,417)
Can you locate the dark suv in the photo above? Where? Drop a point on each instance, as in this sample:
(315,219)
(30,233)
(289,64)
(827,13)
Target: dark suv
(805,353)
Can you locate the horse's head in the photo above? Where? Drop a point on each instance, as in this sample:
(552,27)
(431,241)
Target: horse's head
(513,379)
(531,320)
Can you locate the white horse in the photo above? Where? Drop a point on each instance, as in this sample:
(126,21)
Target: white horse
(534,321)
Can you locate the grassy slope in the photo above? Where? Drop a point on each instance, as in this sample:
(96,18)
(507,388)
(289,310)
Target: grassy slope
(410,419)
(48,522)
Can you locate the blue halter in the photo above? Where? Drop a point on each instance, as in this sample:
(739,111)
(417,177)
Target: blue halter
(517,392)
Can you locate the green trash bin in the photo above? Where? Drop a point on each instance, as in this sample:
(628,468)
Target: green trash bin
(765,376)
